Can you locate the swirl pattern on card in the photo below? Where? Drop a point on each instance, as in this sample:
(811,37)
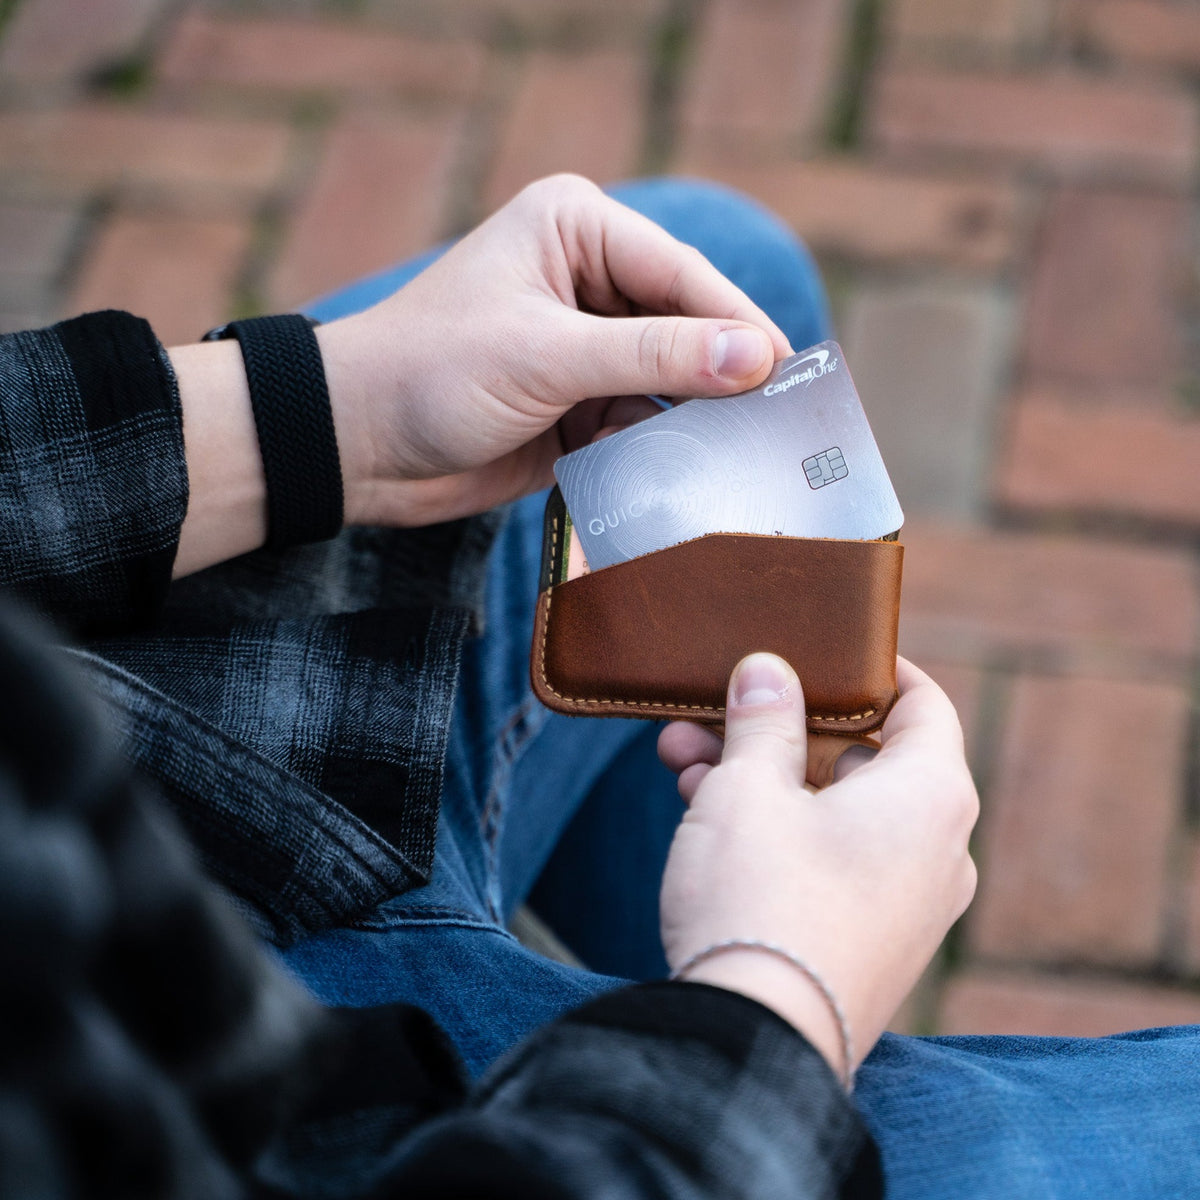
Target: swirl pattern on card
(795,456)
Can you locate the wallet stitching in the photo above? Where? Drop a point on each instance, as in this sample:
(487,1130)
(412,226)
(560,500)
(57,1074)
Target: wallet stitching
(870,712)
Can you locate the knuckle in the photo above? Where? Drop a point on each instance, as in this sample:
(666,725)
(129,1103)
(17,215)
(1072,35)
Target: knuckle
(951,782)
(772,737)
(560,187)
(967,799)
(968,882)
(657,347)
(679,280)
(647,348)
(749,778)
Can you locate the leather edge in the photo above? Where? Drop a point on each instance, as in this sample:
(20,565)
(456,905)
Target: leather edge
(851,725)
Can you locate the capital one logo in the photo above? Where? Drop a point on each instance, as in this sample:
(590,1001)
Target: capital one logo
(822,364)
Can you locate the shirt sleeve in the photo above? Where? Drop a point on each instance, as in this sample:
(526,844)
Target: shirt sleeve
(662,1090)
(93,479)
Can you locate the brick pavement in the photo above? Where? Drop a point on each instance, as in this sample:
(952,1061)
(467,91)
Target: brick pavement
(1002,193)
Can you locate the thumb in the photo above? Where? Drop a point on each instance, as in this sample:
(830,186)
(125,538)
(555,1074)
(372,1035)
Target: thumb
(671,356)
(764,715)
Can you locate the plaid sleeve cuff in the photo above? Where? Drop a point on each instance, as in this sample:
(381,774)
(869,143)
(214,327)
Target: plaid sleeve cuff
(765,1089)
(668,1090)
(93,479)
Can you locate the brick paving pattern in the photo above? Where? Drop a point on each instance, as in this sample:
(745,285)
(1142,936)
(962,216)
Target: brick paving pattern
(1002,194)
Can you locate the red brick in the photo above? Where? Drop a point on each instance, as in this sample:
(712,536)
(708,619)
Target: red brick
(930,358)
(1068,124)
(1078,823)
(176,271)
(379,195)
(907,1018)
(1106,284)
(1144,31)
(1191,907)
(34,240)
(964,686)
(304,55)
(1047,601)
(762,68)
(579,113)
(981,1001)
(108,145)
(914,1015)
(871,212)
(1066,452)
(548,9)
(54,41)
(546,19)
(989,28)
(23,316)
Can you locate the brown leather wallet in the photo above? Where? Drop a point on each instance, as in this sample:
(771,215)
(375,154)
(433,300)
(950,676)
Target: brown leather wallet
(658,636)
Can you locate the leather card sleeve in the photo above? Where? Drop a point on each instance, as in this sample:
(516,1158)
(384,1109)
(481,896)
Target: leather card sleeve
(657,636)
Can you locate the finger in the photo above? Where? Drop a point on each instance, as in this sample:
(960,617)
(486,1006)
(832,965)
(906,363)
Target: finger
(657,271)
(851,759)
(832,757)
(683,744)
(764,715)
(677,356)
(629,410)
(690,780)
(623,412)
(923,717)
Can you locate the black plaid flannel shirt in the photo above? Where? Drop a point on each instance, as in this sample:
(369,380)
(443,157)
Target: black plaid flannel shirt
(274,701)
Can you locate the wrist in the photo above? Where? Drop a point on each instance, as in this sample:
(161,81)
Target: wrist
(789,990)
(373,389)
(227,490)
(350,394)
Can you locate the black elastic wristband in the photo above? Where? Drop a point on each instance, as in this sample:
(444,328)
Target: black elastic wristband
(294,419)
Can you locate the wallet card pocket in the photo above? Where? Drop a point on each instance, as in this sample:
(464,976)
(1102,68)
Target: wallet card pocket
(657,636)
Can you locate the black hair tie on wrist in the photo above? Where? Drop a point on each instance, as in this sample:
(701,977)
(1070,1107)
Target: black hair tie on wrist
(294,420)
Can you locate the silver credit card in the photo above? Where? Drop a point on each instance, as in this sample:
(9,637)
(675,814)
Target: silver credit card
(794,456)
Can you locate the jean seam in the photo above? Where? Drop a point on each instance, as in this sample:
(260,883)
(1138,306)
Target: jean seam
(423,917)
(516,735)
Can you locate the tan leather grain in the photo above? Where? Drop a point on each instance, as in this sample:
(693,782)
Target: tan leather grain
(658,636)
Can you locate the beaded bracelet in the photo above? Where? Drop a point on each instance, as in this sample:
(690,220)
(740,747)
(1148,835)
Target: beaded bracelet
(782,952)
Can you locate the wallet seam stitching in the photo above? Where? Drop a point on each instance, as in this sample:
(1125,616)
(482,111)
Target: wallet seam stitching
(708,708)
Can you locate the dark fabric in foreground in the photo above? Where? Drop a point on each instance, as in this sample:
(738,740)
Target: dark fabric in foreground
(144,1039)
(149,1047)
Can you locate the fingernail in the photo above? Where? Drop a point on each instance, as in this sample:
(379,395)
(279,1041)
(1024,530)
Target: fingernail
(761,679)
(738,352)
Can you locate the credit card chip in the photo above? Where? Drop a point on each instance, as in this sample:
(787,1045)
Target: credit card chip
(827,467)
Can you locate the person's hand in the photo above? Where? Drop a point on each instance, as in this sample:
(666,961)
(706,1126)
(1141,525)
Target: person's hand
(548,325)
(551,321)
(861,880)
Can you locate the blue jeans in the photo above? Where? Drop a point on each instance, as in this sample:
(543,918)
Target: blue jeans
(575,815)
